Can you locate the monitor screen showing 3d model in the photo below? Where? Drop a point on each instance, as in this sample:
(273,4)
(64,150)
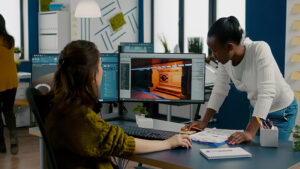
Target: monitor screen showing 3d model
(162,77)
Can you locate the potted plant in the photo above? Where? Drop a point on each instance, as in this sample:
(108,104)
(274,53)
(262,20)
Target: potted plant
(18,52)
(140,110)
(296,137)
(163,40)
(140,113)
(17,55)
(195,44)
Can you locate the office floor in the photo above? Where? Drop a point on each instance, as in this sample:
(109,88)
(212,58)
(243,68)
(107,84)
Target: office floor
(29,153)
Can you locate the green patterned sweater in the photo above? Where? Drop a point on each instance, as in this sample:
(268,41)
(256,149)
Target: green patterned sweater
(82,140)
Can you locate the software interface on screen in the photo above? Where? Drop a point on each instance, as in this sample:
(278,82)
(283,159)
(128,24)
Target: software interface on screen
(109,84)
(136,47)
(162,77)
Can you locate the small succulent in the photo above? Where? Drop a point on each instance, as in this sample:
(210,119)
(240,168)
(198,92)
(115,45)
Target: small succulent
(17,50)
(140,109)
(296,136)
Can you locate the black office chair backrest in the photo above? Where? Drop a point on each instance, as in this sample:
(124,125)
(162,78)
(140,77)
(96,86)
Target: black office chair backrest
(40,106)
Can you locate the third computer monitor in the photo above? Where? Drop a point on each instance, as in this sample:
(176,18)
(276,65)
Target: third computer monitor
(162,77)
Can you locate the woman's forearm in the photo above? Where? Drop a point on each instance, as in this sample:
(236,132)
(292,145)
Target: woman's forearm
(146,146)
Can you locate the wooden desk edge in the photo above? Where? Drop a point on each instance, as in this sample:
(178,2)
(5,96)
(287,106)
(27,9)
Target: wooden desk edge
(156,163)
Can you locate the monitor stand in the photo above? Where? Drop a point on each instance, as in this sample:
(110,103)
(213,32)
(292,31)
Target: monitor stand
(193,116)
(122,114)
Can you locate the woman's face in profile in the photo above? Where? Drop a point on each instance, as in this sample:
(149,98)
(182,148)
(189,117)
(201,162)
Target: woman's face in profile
(219,51)
(99,74)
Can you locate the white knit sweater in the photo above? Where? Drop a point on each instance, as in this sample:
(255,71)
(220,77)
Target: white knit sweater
(261,79)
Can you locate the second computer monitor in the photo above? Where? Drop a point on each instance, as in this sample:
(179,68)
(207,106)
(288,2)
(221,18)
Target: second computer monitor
(109,84)
(162,77)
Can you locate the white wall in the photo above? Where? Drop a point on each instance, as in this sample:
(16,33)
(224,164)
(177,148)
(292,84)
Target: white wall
(25,30)
(147,21)
(290,50)
(10,10)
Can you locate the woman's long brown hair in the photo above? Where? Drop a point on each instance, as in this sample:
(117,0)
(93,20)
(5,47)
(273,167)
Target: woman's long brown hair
(74,80)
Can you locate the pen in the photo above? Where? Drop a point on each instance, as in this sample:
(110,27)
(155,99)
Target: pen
(270,123)
(265,125)
(259,122)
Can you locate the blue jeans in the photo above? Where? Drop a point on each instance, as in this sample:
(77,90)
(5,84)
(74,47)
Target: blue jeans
(284,119)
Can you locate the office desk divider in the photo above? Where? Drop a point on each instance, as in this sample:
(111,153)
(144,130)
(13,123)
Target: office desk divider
(159,124)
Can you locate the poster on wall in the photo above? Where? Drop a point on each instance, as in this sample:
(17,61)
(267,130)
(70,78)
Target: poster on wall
(118,23)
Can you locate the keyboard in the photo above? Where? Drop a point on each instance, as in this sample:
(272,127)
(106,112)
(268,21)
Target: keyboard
(147,133)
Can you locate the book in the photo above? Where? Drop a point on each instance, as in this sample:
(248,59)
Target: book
(219,153)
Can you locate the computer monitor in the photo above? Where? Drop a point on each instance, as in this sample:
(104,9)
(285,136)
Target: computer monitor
(162,77)
(43,67)
(109,86)
(127,47)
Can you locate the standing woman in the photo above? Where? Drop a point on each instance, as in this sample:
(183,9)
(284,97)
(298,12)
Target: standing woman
(8,88)
(251,67)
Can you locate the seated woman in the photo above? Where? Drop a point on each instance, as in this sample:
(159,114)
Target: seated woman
(80,138)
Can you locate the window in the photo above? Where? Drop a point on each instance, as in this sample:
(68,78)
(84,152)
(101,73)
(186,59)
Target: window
(235,8)
(196,21)
(11,12)
(165,23)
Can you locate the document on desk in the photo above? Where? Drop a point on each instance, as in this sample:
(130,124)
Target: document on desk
(213,136)
(219,153)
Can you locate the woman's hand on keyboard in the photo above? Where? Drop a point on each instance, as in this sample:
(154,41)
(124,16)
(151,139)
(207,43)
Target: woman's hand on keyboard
(179,140)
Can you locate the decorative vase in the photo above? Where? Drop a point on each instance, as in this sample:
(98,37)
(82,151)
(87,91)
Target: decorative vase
(17,56)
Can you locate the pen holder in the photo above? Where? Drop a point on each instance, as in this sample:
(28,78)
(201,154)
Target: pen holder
(269,137)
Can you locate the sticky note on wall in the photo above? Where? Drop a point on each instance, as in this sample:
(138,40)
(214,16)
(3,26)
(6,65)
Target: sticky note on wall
(296,41)
(117,21)
(297,94)
(296,25)
(296,57)
(295,75)
(296,9)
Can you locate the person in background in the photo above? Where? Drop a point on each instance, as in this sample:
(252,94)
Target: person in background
(8,88)
(82,139)
(251,67)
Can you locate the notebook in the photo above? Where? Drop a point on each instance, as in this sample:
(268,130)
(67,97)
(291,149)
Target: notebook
(219,153)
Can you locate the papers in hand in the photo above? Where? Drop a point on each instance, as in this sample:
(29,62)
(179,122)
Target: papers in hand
(218,153)
(213,136)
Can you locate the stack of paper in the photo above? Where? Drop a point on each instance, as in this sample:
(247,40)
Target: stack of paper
(217,153)
(213,136)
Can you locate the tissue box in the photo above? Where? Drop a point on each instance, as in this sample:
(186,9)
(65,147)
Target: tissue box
(269,137)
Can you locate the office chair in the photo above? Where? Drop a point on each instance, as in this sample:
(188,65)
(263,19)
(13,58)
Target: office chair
(40,105)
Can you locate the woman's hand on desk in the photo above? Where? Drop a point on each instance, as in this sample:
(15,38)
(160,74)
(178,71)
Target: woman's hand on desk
(179,140)
(239,137)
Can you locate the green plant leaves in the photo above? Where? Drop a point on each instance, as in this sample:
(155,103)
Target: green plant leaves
(140,109)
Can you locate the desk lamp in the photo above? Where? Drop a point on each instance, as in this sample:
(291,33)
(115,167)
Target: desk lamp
(87,9)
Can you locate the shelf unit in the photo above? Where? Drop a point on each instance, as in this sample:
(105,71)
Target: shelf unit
(54,31)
